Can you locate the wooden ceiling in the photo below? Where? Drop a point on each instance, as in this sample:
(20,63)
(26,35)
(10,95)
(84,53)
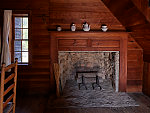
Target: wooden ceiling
(133,14)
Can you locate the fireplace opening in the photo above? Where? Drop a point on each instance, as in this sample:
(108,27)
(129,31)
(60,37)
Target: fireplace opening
(90,69)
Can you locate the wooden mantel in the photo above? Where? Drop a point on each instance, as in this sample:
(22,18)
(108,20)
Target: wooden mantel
(91,41)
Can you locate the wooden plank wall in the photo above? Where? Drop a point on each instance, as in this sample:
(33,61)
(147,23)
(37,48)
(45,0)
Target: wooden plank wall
(135,18)
(142,34)
(146,78)
(34,78)
(143,6)
(93,12)
(1,26)
(135,66)
(1,21)
(46,14)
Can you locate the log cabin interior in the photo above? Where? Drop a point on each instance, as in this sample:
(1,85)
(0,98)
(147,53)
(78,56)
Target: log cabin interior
(120,54)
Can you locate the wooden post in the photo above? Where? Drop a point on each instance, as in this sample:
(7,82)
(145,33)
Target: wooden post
(123,65)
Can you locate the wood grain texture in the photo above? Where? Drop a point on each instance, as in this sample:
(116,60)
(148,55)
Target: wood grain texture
(34,78)
(8,91)
(131,14)
(105,43)
(137,11)
(146,78)
(57,78)
(135,66)
(143,6)
(46,14)
(1,27)
(30,104)
(94,12)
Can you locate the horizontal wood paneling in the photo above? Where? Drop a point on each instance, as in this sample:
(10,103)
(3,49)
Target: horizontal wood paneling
(34,78)
(143,6)
(135,67)
(94,12)
(69,43)
(78,41)
(87,49)
(136,19)
(49,13)
(146,79)
(105,43)
(1,28)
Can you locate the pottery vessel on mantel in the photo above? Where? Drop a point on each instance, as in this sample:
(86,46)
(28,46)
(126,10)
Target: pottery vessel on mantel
(104,27)
(73,27)
(59,28)
(86,27)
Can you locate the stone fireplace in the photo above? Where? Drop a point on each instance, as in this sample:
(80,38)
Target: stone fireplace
(67,42)
(105,63)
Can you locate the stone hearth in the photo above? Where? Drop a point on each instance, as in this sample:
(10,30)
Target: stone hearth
(106,64)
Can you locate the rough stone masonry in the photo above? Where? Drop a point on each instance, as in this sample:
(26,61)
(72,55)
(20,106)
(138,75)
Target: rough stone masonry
(106,63)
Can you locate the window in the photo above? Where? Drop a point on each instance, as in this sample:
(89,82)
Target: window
(21,50)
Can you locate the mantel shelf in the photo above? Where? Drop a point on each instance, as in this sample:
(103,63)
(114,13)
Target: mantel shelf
(87,34)
(91,31)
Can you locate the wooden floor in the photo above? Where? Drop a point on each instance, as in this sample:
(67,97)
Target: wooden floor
(38,104)
(31,104)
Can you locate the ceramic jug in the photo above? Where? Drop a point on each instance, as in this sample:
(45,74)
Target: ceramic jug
(59,28)
(73,27)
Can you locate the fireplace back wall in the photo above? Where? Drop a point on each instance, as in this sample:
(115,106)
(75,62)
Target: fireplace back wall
(105,63)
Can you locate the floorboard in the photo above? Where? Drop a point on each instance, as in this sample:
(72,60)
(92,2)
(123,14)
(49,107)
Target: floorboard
(31,104)
(38,104)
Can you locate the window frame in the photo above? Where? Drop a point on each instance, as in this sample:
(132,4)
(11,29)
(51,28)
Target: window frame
(21,14)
